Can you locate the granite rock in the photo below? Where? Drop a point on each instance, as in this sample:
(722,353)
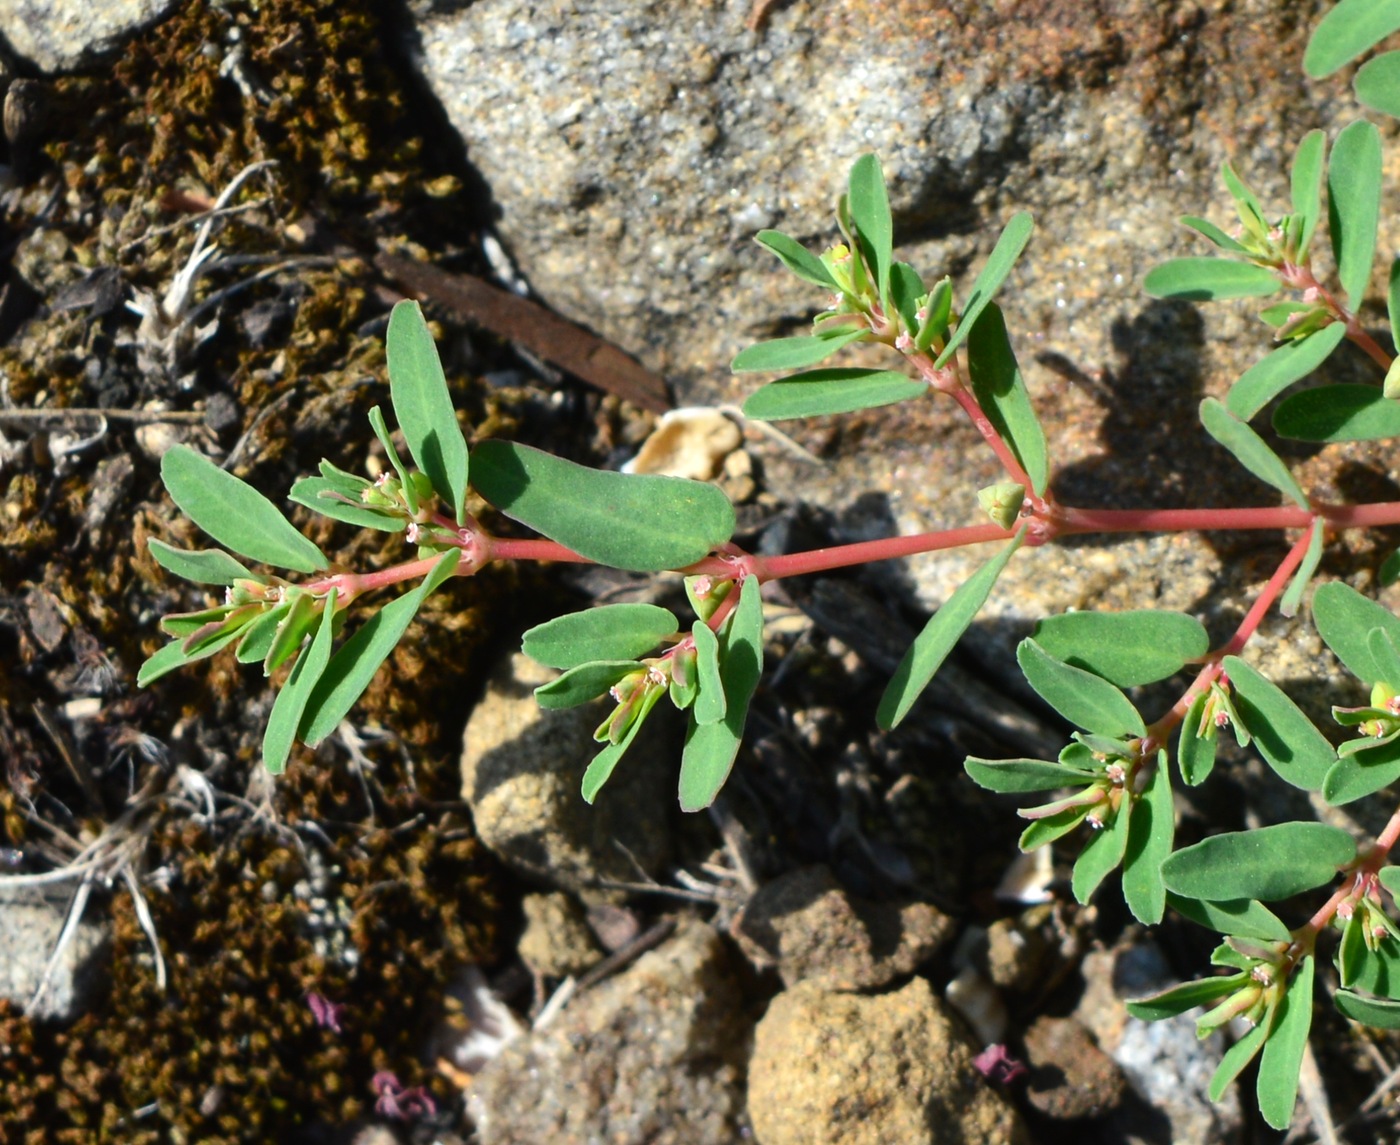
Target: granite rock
(870,1070)
(68,35)
(556,941)
(1070,1077)
(30,924)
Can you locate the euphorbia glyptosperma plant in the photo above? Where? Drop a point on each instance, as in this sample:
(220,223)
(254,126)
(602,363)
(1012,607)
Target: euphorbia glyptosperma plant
(1111,785)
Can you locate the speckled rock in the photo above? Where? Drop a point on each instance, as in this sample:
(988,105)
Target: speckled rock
(556,941)
(634,148)
(813,930)
(70,35)
(652,1057)
(30,924)
(1163,1061)
(1017,949)
(1070,1077)
(521,769)
(870,1071)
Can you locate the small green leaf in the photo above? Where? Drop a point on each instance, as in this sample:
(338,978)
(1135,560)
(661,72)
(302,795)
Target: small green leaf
(1362,773)
(291,632)
(1052,827)
(1283,1050)
(710,749)
(1213,233)
(1195,753)
(1269,863)
(716,593)
(1246,202)
(937,313)
(609,632)
(234,513)
(1244,918)
(1382,1013)
(202,566)
(1009,246)
(287,709)
(793,353)
(1377,84)
(931,647)
(354,665)
(1354,204)
(259,634)
(642,523)
(1084,699)
(1102,854)
(1235,1059)
(601,768)
(1283,735)
(1346,31)
(1309,161)
(1187,996)
(1209,279)
(174,656)
(583,683)
(869,205)
(1288,604)
(1125,648)
(1151,831)
(1345,619)
(1350,412)
(1249,449)
(1001,392)
(710,706)
(685,678)
(837,390)
(1278,370)
(1390,879)
(325,497)
(1014,776)
(906,288)
(797,258)
(423,406)
(381,431)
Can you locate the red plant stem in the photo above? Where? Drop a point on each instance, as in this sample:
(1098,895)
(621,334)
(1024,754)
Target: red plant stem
(1266,598)
(992,437)
(1302,277)
(863,552)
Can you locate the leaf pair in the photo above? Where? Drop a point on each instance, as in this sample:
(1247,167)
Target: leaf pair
(1349,30)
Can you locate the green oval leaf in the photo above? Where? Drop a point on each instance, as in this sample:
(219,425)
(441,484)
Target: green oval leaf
(937,314)
(1345,620)
(1125,648)
(869,205)
(1292,361)
(1354,205)
(610,632)
(1177,1000)
(234,513)
(944,629)
(259,634)
(1009,246)
(1213,233)
(1101,855)
(838,390)
(710,705)
(796,258)
(1244,918)
(1283,1050)
(1346,31)
(1084,699)
(1377,84)
(1289,602)
(1209,279)
(906,288)
(418,389)
(1234,1060)
(287,709)
(1338,413)
(202,566)
(1267,864)
(1362,773)
(583,683)
(1309,162)
(1283,735)
(793,353)
(601,768)
(1015,776)
(174,656)
(1382,1013)
(352,668)
(1249,449)
(325,496)
(1001,392)
(1195,753)
(710,749)
(1150,833)
(639,522)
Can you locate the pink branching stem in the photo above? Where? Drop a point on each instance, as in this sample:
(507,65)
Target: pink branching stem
(1302,278)
(863,552)
(1270,593)
(991,436)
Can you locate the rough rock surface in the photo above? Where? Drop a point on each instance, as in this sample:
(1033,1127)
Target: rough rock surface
(652,1057)
(30,924)
(869,1071)
(634,148)
(69,35)
(556,941)
(521,769)
(1070,1077)
(807,924)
